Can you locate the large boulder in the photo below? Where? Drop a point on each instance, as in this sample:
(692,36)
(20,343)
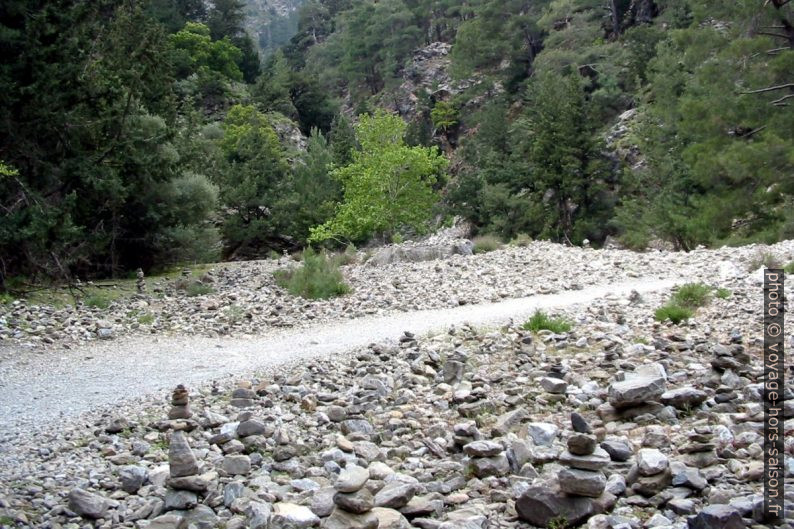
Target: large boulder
(87,504)
(646,384)
(539,505)
(420,252)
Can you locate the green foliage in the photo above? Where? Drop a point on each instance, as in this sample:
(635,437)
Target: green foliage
(542,321)
(486,243)
(252,181)
(6,298)
(723,293)
(675,313)
(764,260)
(444,116)
(789,268)
(197,288)
(318,277)
(97,300)
(196,52)
(387,186)
(521,240)
(692,295)
(146,318)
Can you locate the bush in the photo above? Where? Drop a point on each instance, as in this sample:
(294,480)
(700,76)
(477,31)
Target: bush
(692,295)
(486,243)
(541,321)
(97,300)
(674,313)
(318,278)
(521,240)
(348,257)
(198,289)
(765,260)
(5,298)
(723,293)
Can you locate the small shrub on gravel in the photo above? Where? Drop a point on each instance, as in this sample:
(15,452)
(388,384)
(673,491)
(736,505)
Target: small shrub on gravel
(765,260)
(318,278)
(97,300)
(198,289)
(541,321)
(5,298)
(692,295)
(348,257)
(486,243)
(674,313)
(723,293)
(521,240)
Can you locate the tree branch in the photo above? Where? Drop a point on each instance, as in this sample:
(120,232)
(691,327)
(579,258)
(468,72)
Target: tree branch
(770,89)
(779,102)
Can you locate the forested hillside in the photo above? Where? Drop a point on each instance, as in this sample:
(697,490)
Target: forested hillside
(154,133)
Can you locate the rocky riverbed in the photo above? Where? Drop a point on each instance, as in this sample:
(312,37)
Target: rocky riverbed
(622,422)
(243,299)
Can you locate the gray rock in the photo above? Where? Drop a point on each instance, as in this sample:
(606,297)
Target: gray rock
(258,515)
(351,479)
(553,385)
(684,476)
(418,253)
(340,519)
(686,397)
(618,450)
(483,448)
(539,505)
(581,444)
(292,516)
(579,423)
(132,478)
(250,427)
(483,467)
(357,502)
(595,461)
(180,500)
(638,388)
(542,433)
(201,517)
(390,519)
(88,504)
(236,465)
(171,520)
(395,495)
(717,517)
(181,460)
(582,482)
(357,426)
(651,461)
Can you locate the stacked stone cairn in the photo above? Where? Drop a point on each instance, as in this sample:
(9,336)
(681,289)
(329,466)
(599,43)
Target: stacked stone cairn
(243,396)
(140,282)
(353,502)
(180,404)
(486,458)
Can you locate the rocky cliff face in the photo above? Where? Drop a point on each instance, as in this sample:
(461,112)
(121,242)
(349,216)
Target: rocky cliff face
(271,22)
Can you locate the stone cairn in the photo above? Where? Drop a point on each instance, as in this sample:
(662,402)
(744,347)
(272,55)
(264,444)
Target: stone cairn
(353,502)
(584,461)
(140,282)
(243,396)
(486,458)
(180,404)
(184,481)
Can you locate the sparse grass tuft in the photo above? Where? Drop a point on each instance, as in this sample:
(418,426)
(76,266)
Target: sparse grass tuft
(318,278)
(146,318)
(789,268)
(765,260)
(521,240)
(348,257)
(723,293)
(541,321)
(5,298)
(97,300)
(674,313)
(198,289)
(692,295)
(486,243)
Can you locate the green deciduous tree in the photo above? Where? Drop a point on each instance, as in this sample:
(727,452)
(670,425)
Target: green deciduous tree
(387,186)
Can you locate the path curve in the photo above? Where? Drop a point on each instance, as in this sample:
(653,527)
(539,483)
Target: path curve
(64,385)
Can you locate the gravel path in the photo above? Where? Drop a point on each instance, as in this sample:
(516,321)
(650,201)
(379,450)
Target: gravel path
(61,385)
